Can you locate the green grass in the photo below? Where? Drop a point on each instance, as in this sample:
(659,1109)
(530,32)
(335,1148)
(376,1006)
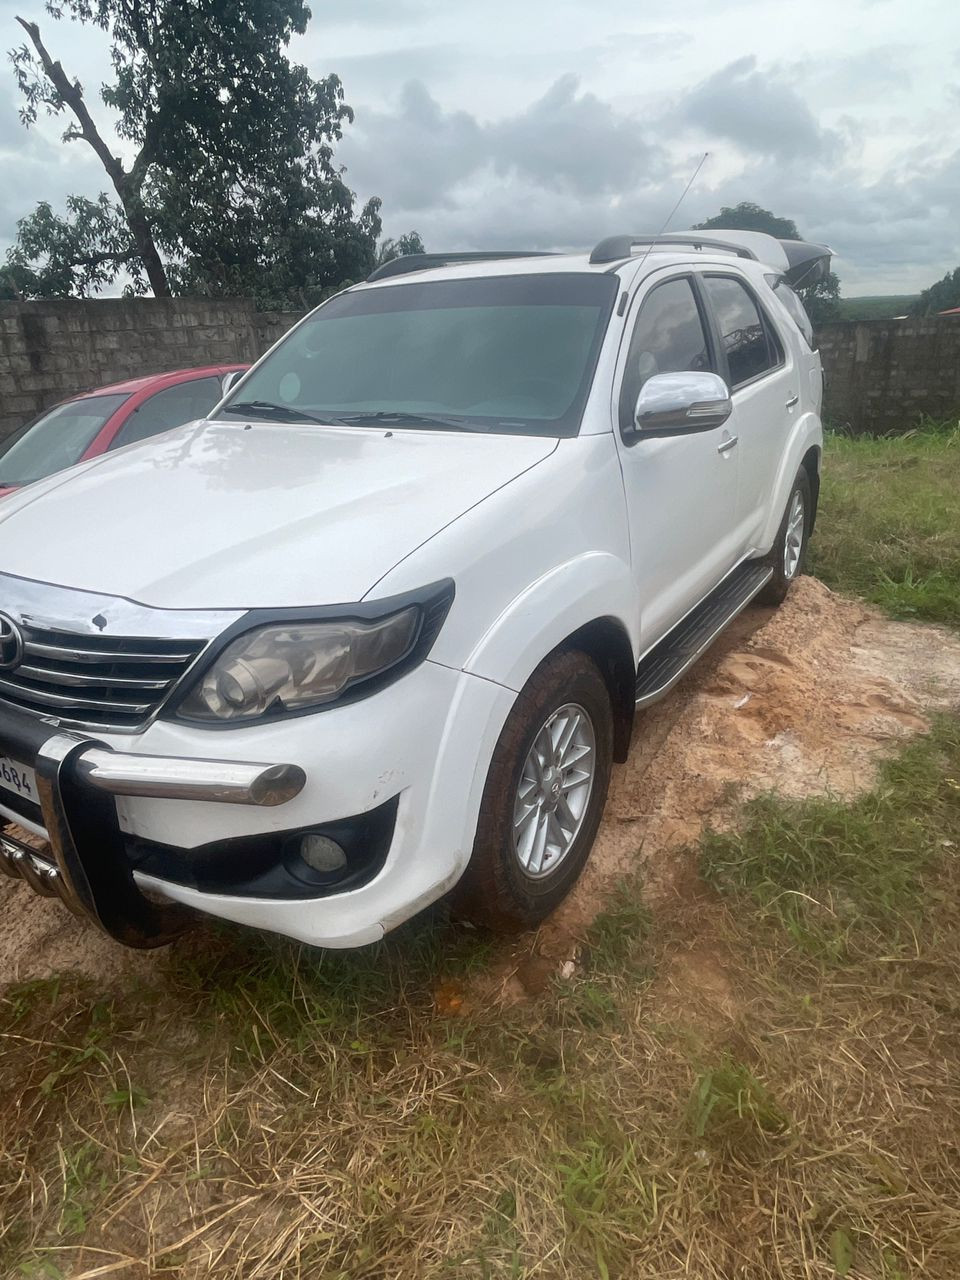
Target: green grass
(889,522)
(841,877)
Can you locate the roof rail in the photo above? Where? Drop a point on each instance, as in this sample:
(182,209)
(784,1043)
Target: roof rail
(616,247)
(426,261)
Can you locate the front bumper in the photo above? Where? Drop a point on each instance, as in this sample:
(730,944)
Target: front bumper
(424,744)
(85,862)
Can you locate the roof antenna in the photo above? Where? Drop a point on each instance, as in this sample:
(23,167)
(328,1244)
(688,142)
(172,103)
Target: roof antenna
(669,218)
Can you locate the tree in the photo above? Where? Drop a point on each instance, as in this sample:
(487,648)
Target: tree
(822,300)
(232,186)
(942,296)
(409,243)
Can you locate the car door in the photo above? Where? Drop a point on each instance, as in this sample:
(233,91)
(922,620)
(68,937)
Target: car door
(681,490)
(763,380)
(168,408)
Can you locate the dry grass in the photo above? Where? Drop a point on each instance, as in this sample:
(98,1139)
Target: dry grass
(721,1093)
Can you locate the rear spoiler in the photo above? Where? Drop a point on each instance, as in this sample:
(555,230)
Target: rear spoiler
(808,263)
(797,261)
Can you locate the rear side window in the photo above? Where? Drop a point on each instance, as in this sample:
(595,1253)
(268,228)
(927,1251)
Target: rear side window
(168,409)
(668,338)
(798,311)
(750,346)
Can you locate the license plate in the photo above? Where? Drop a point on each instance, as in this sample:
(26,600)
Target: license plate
(18,778)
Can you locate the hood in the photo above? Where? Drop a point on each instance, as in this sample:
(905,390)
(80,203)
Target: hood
(253,515)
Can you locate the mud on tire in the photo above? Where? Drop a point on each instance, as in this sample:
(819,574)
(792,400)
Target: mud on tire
(496,890)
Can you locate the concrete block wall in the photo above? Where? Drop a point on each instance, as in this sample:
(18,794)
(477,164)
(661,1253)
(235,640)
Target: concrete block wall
(885,375)
(50,350)
(881,375)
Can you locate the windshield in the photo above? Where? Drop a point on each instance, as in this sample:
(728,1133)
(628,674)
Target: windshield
(56,440)
(506,354)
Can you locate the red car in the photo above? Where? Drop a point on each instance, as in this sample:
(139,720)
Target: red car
(108,418)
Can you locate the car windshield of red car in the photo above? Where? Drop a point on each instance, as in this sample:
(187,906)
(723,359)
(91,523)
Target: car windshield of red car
(56,440)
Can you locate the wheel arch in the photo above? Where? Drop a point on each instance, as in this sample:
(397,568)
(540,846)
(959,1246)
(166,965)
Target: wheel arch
(811,464)
(803,453)
(606,641)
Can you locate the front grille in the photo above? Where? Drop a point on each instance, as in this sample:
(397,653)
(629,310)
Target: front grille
(95,680)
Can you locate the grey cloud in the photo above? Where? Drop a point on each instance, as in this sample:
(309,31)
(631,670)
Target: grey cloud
(564,141)
(573,141)
(757,110)
(412,157)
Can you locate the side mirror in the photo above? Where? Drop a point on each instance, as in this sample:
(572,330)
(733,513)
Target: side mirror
(682,403)
(231,379)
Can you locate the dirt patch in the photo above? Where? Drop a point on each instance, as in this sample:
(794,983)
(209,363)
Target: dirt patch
(799,700)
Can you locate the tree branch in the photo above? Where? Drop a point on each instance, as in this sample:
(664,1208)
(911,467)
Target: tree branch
(126,188)
(72,95)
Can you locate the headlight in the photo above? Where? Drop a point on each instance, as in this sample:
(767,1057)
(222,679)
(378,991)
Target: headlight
(296,666)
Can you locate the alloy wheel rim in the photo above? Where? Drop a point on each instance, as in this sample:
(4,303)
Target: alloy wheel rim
(554,790)
(793,543)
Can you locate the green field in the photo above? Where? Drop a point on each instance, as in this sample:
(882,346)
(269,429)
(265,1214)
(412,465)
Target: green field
(877,307)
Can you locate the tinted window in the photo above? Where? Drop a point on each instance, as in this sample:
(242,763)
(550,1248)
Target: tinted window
(170,408)
(797,310)
(742,331)
(505,353)
(668,338)
(56,440)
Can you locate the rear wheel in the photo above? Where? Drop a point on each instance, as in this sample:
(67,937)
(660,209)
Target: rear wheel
(789,552)
(543,799)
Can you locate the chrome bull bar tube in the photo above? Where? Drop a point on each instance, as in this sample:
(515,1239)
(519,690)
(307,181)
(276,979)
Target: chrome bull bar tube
(86,864)
(23,862)
(229,781)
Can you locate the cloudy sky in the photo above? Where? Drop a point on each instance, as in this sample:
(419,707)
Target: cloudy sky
(551,123)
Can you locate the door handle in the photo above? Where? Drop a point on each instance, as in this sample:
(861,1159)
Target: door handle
(726,445)
(792,401)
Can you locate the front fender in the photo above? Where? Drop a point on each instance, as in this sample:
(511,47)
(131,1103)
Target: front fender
(594,585)
(807,434)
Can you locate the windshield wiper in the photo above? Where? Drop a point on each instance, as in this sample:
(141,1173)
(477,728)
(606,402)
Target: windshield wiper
(281,412)
(412,419)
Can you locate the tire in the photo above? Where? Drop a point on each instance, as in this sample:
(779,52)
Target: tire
(786,558)
(568,694)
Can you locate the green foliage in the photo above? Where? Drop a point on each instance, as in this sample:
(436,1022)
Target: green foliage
(79,253)
(822,300)
(842,1252)
(747,216)
(409,243)
(729,1107)
(234,171)
(942,296)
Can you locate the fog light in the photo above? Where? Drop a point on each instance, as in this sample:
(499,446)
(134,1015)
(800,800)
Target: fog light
(322,854)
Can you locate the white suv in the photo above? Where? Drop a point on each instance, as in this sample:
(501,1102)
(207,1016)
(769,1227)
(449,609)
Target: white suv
(376,630)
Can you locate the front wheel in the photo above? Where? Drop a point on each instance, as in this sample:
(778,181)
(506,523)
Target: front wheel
(790,548)
(543,798)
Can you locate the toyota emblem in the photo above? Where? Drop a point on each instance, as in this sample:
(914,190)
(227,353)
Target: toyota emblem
(11,643)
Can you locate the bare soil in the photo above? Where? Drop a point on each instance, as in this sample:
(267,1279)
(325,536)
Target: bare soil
(800,700)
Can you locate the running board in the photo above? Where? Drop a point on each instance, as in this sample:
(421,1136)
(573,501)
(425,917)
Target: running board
(668,661)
